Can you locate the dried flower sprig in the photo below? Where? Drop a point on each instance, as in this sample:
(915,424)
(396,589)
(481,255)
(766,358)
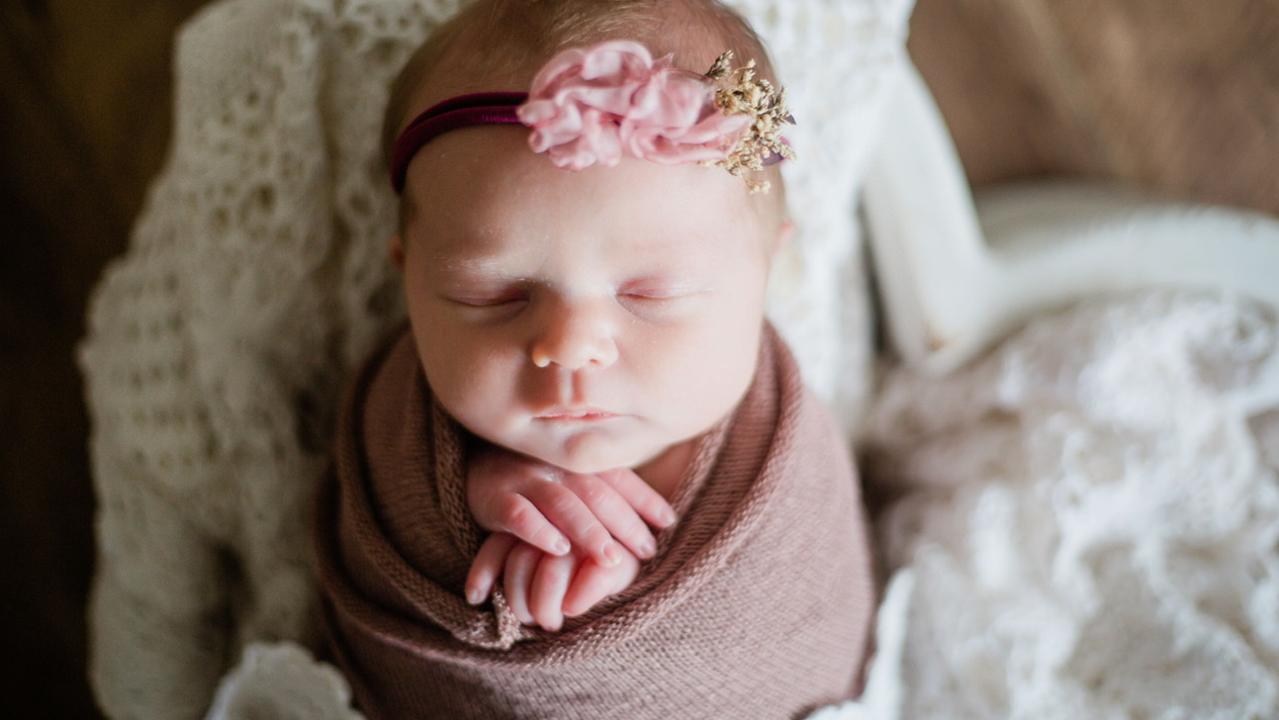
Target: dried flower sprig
(741,91)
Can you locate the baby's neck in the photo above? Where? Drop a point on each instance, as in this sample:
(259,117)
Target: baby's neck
(664,472)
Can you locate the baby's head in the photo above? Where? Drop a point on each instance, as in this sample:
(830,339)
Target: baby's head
(637,290)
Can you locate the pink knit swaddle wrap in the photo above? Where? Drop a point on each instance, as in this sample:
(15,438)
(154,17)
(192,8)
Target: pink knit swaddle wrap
(759,603)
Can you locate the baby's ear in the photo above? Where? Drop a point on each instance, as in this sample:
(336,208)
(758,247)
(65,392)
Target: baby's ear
(397,252)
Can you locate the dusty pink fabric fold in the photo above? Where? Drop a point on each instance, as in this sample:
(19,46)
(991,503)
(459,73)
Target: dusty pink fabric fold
(758,605)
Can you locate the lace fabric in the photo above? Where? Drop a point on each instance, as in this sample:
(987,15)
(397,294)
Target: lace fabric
(1090,516)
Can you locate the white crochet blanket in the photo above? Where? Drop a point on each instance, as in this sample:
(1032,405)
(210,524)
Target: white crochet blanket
(257,278)
(1090,518)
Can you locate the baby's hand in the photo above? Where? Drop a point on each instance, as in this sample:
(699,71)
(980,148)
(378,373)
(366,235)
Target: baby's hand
(542,588)
(541,504)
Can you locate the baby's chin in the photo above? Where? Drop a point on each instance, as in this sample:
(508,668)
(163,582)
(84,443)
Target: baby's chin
(588,454)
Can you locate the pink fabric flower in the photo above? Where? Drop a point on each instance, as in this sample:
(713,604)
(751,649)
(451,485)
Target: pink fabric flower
(589,105)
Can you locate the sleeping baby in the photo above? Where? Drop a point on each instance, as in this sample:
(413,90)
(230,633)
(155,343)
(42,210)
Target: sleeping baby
(590,207)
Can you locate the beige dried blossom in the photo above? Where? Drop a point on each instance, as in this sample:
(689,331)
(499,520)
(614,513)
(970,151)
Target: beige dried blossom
(741,91)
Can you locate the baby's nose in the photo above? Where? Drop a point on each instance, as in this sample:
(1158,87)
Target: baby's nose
(574,335)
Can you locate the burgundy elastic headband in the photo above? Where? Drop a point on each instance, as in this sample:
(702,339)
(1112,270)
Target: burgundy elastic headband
(597,103)
(495,108)
(492,108)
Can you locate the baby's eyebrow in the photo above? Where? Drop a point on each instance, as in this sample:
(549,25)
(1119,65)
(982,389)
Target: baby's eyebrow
(476,269)
(471,250)
(468,265)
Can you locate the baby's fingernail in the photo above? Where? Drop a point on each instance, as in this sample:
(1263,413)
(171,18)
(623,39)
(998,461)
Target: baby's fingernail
(668,517)
(474,596)
(612,553)
(561,546)
(648,549)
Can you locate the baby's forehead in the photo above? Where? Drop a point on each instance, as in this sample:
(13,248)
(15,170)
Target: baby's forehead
(484,194)
(500,225)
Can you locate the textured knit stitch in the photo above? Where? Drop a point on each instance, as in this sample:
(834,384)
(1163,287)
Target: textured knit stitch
(758,604)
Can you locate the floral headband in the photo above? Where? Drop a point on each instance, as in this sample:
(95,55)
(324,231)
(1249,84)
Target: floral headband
(592,105)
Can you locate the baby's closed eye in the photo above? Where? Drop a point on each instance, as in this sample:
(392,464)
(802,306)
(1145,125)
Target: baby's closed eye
(657,293)
(661,291)
(489,299)
(647,296)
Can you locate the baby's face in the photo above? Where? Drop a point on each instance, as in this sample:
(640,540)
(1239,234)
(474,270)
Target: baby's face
(636,291)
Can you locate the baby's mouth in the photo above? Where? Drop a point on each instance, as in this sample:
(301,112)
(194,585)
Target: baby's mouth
(585,414)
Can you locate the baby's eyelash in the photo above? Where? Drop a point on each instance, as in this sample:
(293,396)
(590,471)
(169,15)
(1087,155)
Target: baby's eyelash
(512,299)
(656,291)
(650,295)
(490,301)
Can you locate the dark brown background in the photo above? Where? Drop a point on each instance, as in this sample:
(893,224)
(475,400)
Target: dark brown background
(1178,95)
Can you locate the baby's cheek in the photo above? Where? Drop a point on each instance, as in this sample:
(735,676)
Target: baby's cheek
(472,381)
(703,368)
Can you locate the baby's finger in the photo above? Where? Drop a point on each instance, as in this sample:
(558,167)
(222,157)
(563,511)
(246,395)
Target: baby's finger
(521,518)
(614,512)
(547,595)
(520,564)
(591,584)
(648,502)
(487,566)
(567,511)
